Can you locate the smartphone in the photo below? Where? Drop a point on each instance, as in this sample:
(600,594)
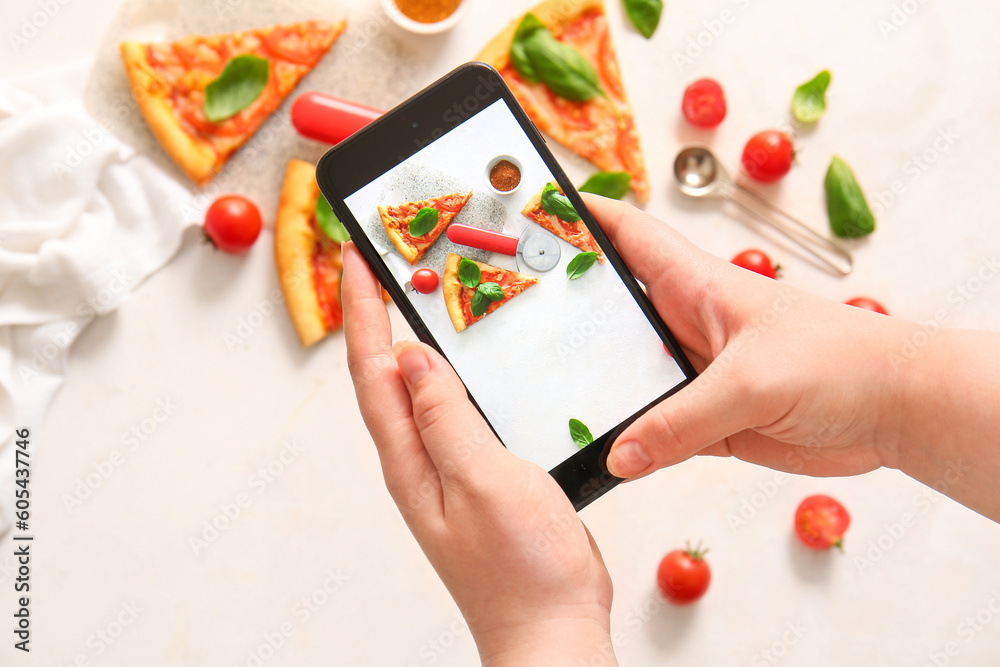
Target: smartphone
(539,332)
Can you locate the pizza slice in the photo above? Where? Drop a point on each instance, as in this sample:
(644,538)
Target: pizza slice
(573,232)
(458,297)
(601,129)
(397,219)
(169,82)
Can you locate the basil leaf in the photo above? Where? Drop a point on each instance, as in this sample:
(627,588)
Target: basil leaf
(850,216)
(469,273)
(580,264)
(645,15)
(424,221)
(558,204)
(580,433)
(491,291)
(518,57)
(243,80)
(327,220)
(479,303)
(611,184)
(809,101)
(561,67)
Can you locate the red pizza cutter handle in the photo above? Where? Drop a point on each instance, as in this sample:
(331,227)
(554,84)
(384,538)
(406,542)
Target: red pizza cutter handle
(484,239)
(329,119)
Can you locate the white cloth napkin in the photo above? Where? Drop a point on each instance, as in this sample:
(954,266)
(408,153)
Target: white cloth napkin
(83,221)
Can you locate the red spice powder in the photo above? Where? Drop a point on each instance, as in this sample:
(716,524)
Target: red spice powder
(505,176)
(428,11)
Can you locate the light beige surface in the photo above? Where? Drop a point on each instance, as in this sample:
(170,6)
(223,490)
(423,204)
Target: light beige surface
(206,342)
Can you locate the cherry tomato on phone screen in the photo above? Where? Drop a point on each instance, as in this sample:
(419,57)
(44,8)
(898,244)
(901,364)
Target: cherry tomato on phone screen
(756,261)
(704,104)
(424,281)
(820,522)
(683,575)
(768,156)
(865,303)
(232,223)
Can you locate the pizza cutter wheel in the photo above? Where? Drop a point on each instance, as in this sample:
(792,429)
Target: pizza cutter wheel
(536,248)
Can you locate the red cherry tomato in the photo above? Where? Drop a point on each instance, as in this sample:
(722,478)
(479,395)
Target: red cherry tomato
(756,261)
(683,575)
(865,303)
(232,223)
(820,522)
(424,281)
(704,104)
(768,156)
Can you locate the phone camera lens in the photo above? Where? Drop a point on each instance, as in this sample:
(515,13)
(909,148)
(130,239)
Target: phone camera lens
(415,125)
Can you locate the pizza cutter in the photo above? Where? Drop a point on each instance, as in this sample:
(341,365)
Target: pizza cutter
(536,248)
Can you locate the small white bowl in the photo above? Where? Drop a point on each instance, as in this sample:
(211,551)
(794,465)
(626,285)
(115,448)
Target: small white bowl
(408,24)
(492,163)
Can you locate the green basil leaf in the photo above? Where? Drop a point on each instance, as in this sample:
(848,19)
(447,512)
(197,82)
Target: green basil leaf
(479,303)
(327,220)
(580,433)
(850,216)
(469,273)
(491,291)
(424,221)
(645,15)
(580,264)
(243,80)
(809,101)
(561,67)
(611,184)
(558,204)
(518,57)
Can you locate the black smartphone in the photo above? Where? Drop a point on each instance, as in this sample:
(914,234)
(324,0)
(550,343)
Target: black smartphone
(541,330)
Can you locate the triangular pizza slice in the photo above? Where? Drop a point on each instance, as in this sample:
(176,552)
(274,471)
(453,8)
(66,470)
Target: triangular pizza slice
(396,220)
(458,297)
(169,82)
(573,232)
(601,129)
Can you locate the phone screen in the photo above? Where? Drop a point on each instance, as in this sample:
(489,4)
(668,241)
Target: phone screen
(552,348)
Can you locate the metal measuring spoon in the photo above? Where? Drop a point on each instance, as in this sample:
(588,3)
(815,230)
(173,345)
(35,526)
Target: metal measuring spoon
(699,174)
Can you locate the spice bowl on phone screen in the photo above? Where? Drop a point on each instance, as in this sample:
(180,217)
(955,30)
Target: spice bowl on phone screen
(503,174)
(424,17)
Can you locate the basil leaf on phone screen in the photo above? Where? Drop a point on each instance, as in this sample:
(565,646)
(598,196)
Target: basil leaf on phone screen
(424,221)
(580,433)
(850,216)
(518,57)
(491,291)
(561,67)
(645,15)
(479,303)
(611,184)
(469,273)
(241,82)
(327,221)
(809,101)
(580,264)
(558,204)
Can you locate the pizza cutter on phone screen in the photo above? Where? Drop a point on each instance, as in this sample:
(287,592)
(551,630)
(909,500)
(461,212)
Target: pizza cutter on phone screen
(535,248)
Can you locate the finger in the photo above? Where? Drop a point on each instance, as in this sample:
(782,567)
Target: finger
(382,395)
(456,436)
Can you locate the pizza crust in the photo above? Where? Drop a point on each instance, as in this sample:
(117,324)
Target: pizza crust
(408,252)
(294,245)
(196,158)
(452,288)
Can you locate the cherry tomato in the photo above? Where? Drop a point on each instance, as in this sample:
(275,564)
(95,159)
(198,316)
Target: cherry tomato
(768,156)
(820,522)
(704,104)
(683,575)
(232,223)
(756,261)
(424,281)
(865,303)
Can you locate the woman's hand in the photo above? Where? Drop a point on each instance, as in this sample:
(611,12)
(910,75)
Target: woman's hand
(501,534)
